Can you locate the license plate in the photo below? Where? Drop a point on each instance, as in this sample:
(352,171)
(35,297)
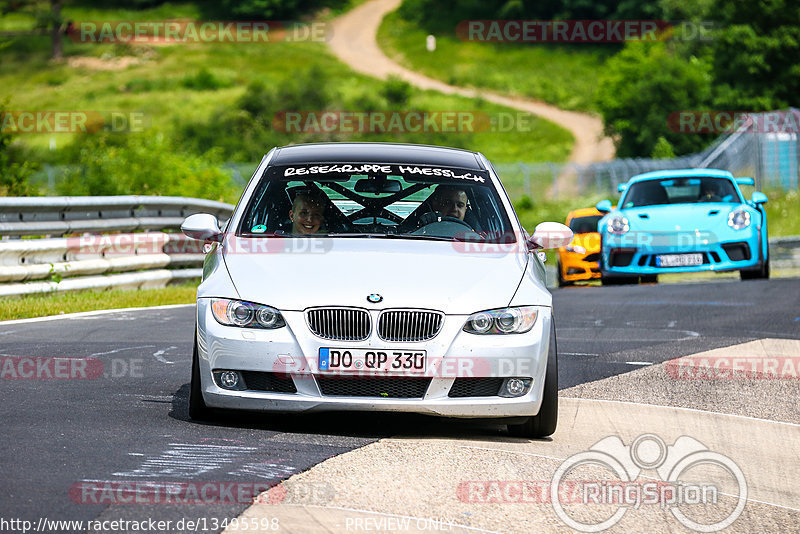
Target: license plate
(372,361)
(679,260)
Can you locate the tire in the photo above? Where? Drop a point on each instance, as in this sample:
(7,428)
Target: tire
(561,281)
(649,279)
(544,423)
(198,411)
(761,273)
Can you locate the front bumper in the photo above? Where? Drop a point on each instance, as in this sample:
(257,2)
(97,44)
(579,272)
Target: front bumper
(639,256)
(290,353)
(576,267)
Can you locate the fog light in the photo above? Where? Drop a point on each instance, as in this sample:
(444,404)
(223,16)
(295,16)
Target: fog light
(229,379)
(515,387)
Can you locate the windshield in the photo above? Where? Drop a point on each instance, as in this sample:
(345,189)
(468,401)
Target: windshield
(680,191)
(584,225)
(408,201)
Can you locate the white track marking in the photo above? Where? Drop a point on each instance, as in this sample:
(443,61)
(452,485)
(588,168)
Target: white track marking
(159,355)
(79,315)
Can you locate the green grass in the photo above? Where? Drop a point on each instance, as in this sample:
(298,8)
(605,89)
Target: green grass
(40,305)
(160,87)
(565,76)
(782,213)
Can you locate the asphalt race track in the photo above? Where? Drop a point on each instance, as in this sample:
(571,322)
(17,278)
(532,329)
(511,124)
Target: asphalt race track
(128,421)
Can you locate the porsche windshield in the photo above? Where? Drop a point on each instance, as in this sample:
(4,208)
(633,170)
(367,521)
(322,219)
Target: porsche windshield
(680,191)
(376,200)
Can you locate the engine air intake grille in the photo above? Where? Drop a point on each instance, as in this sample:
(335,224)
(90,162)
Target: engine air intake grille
(409,325)
(345,324)
(392,388)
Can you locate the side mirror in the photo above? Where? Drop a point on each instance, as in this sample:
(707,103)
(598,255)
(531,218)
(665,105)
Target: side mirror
(202,226)
(622,187)
(745,181)
(550,235)
(758,198)
(604,206)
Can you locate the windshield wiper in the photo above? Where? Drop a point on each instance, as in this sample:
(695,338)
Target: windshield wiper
(396,236)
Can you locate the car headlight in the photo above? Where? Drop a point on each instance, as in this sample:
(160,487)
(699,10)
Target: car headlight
(246,314)
(618,225)
(575,248)
(501,321)
(739,219)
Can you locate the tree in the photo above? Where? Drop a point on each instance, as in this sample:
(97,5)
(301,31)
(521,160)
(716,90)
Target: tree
(755,54)
(642,85)
(48,18)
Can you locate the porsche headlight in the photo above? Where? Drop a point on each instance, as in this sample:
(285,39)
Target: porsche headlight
(246,314)
(739,219)
(618,225)
(502,321)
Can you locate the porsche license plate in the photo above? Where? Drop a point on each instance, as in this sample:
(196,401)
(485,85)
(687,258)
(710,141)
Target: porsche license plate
(679,260)
(372,360)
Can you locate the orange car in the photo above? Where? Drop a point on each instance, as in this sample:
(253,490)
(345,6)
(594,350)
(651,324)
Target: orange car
(574,264)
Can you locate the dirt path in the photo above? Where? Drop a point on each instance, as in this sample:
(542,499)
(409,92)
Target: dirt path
(354,42)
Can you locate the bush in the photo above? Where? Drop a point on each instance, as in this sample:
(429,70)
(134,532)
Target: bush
(144,164)
(396,91)
(203,80)
(14,169)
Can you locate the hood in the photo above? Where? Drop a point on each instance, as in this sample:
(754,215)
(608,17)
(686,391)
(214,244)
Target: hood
(294,274)
(679,217)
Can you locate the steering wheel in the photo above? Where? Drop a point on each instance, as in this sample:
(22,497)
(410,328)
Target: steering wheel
(436,216)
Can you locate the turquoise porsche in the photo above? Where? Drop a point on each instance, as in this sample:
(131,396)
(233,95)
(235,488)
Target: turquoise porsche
(684,220)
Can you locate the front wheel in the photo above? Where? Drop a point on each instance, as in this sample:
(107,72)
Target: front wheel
(544,423)
(762,272)
(198,410)
(561,281)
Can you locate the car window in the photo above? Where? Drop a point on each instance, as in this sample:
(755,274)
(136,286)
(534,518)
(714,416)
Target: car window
(680,191)
(585,225)
(408,201)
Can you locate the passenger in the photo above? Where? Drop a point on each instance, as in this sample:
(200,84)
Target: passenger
(450,201)
(307,213)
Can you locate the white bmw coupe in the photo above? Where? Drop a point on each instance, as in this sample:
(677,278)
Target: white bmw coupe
(376,277)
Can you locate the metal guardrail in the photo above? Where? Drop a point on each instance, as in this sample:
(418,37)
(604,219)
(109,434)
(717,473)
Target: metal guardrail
(93,254)
(69,215)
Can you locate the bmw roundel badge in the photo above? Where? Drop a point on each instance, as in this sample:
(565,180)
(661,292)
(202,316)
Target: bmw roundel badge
(374,298)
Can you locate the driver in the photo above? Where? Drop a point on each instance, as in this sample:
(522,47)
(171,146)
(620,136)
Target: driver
(709,191)
(450,200)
